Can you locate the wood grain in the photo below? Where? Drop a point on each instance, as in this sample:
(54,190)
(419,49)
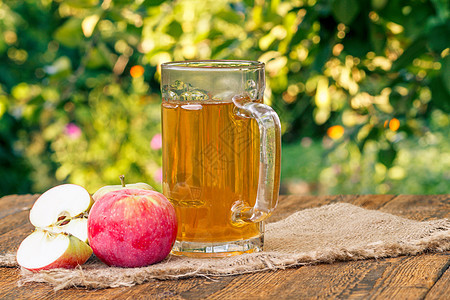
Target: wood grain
(441,289)
(407,277)
(12,204)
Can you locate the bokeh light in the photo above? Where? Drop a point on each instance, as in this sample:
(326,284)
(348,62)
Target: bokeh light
(335,132)
(136,71)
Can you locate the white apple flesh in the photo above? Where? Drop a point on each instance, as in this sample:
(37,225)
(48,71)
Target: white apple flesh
(43,250)
(110,188)
(63,208)
(76,227)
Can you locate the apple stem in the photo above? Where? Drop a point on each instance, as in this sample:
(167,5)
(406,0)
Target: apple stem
(122,179)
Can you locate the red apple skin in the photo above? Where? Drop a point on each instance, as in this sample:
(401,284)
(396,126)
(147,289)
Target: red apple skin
(132,228)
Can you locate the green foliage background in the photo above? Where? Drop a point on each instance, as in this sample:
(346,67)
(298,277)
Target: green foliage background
(71,112)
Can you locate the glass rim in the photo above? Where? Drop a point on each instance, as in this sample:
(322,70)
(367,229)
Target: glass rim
(213,65)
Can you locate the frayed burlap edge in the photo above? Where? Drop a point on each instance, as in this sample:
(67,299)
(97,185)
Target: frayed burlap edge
(8,260)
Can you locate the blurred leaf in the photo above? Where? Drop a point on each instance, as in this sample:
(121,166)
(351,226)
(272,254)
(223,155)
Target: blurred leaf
(387,156)
(416,48)
(81,3)
(3,45)
(149,3)
(230,16)
(322,57)
(442,9)
(377,38)
(439,37)
(374,134)
(378,4)
(345,10)
(446,72)
(221,47)
(97,59)
(108,57)
(440,95)
(175,29)
(70,33)
(61,67)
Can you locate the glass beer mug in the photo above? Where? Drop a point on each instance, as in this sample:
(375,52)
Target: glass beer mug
(221,155)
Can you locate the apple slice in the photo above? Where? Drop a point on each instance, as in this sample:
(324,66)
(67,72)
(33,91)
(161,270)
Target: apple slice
(43,250)
(109,188)
(59,206)
(76,227)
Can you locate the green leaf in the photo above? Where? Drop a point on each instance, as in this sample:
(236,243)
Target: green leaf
(322,57)
(377,38)
(439,93)
(439,37)
(174,29)
(148,3)
(387,156)
(441,7)
(216,50)
(345,10)
(230,17)
(97,59)
(70,33)
(374,134)
(60,68)
(414,50)
(81,3)
(378,4)
(445,73)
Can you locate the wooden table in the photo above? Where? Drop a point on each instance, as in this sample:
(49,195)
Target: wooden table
(425,276)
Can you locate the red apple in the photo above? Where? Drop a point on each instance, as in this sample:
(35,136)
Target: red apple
(132,227)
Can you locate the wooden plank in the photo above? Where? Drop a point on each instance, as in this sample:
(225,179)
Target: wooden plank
(15,203)
(419,207)
(10,241)
(412,279)
(287,205)
(441,289)
(9,277)
(408,277)
(192,288)
(14,220)
(173,289)
(15,226)
(316,281)
(256,285)
(372,201)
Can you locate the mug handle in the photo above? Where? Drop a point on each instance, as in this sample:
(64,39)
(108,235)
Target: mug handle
(269,161)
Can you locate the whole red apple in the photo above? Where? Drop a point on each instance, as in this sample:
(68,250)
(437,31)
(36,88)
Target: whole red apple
(132,228)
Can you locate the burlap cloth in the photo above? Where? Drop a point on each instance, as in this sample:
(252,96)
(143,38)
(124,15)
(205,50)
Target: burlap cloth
(336,232)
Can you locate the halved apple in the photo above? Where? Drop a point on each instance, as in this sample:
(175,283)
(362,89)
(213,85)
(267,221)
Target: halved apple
(63,208)
(109,188)
(43,250)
